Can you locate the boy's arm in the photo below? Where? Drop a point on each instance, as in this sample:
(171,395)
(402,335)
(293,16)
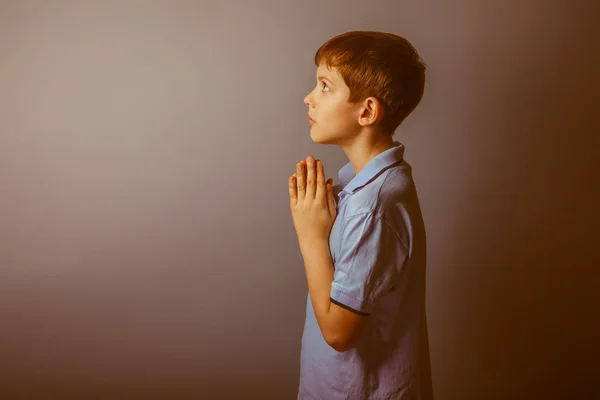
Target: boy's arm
(340,327)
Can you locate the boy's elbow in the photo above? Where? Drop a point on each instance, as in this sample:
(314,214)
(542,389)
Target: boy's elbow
(338,346)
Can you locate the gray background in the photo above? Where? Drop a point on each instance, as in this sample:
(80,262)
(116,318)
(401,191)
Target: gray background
(146,244)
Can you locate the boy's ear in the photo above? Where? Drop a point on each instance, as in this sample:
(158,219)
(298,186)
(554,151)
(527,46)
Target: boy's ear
(370,112)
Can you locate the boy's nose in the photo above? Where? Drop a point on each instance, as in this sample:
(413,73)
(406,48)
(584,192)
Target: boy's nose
(307,100)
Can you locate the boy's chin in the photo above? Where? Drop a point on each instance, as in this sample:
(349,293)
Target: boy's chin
(320,138)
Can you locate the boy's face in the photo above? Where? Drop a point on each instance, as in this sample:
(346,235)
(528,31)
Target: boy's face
(335,119)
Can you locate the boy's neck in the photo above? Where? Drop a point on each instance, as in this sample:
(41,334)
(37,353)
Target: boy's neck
(363,149)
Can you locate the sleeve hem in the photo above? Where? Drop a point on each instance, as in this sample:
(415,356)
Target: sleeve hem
(349,303)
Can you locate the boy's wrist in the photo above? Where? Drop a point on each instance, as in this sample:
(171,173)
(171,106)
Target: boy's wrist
(313,244)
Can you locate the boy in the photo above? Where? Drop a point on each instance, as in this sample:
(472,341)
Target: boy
(362,241)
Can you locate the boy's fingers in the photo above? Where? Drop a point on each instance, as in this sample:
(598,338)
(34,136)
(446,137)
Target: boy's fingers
(321,189)
(301,184)
(292,188)
(311,179)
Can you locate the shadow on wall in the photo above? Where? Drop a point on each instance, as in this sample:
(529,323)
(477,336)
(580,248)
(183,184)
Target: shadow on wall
(524,296)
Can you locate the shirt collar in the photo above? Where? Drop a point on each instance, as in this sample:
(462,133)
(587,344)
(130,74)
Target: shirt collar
(350,182)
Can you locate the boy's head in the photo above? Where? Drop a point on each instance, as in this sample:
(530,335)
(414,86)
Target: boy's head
(367,82)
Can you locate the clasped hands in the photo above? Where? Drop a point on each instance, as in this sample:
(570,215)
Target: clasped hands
(312,202)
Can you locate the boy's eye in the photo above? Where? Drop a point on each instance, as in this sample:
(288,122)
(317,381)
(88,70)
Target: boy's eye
(324,85)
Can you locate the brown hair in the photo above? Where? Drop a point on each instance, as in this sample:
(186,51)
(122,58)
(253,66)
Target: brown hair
(381,65)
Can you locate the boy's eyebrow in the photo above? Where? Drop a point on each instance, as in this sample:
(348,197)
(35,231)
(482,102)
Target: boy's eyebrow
(324,77)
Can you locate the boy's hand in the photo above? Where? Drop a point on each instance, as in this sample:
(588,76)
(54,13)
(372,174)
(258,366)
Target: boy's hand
(311,201)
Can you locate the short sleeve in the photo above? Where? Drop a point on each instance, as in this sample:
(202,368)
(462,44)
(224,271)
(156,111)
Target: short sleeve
(368,263)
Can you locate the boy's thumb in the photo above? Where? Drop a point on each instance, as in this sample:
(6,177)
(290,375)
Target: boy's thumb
(330,197)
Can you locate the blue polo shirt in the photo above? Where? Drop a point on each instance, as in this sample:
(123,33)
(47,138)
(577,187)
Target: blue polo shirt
(378,249)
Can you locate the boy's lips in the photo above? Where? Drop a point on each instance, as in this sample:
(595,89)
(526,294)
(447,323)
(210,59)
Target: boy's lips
(310,119)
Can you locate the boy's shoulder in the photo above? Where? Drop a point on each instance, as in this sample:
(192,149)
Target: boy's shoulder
(387,192)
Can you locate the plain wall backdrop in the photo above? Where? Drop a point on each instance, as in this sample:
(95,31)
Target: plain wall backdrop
(146,245)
